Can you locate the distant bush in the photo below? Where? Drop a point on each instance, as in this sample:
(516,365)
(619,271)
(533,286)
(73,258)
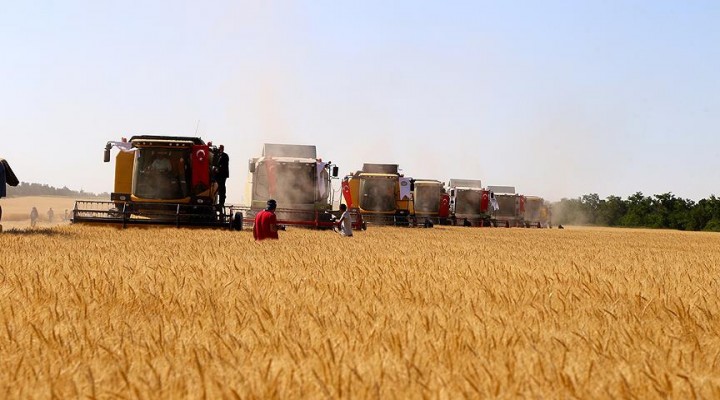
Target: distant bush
(38,189)
(664,211)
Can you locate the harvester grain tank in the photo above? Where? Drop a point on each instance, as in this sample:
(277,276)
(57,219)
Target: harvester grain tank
(161,180)
(297,179)
(469,202)
(430,201)
(510,206)
(537,212)
(380,193)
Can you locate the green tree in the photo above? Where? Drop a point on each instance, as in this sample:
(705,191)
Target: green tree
(611,211)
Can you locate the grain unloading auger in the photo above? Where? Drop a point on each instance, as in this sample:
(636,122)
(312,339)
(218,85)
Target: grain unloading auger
(161,180)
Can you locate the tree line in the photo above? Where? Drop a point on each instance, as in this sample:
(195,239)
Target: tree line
(659,211)
(38,189)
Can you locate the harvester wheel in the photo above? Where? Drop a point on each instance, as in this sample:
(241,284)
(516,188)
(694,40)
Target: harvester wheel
(364,226)
(237,222)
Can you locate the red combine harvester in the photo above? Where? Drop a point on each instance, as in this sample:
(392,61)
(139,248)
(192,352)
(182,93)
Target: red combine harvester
(298,180)
(510,206)
(470,203)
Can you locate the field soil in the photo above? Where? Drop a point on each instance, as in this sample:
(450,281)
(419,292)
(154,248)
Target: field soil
(448,312)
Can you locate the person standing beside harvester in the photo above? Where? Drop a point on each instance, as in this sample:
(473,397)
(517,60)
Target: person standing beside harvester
(345,221)
(222,173)
(266,226)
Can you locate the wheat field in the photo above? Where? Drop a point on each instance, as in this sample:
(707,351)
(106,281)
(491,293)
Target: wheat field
(449,312)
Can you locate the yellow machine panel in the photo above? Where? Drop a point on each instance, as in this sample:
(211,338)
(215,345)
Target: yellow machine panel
(123,171)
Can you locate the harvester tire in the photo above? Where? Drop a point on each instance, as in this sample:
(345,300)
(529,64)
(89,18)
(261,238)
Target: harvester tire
(237,222)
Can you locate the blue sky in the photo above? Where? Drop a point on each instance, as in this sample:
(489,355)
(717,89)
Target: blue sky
(559,98)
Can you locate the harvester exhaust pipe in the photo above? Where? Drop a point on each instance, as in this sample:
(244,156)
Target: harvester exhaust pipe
(108,146)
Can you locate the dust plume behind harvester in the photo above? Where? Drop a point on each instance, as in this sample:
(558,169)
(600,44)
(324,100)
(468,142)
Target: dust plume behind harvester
(537,212)
(298,180)
(161,180)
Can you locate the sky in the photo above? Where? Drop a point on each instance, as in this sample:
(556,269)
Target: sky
(556,98)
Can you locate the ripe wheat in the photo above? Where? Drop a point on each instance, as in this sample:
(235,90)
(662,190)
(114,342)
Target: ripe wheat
(391,313)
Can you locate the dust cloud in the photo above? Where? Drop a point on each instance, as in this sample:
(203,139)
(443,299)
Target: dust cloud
(563,213)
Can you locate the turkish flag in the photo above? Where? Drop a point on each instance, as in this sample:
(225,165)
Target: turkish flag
(200,162)
(347,194)
(484,202)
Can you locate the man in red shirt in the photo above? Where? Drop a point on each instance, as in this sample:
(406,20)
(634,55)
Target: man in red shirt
(266,226)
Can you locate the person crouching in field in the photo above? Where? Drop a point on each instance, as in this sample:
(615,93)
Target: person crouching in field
(266,226)
(7,177)
(345,222)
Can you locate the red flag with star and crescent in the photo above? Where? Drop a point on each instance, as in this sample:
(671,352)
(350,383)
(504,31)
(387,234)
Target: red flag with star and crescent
(346,193)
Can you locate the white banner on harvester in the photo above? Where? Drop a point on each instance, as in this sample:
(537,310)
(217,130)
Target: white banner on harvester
(494,202)
(123,146)
(321,182)
(404,188)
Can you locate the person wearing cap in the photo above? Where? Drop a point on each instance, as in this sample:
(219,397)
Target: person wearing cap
(266,226)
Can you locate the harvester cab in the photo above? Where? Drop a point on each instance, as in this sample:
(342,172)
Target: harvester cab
(380,194)
(510,208)
(161,180)
(470,203)
(297,179)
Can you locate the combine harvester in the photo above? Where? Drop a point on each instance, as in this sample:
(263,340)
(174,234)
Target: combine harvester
(161,180)
(299,182)
(510,208)
(380,194)
(470,203)
(537,213)
(430,202)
